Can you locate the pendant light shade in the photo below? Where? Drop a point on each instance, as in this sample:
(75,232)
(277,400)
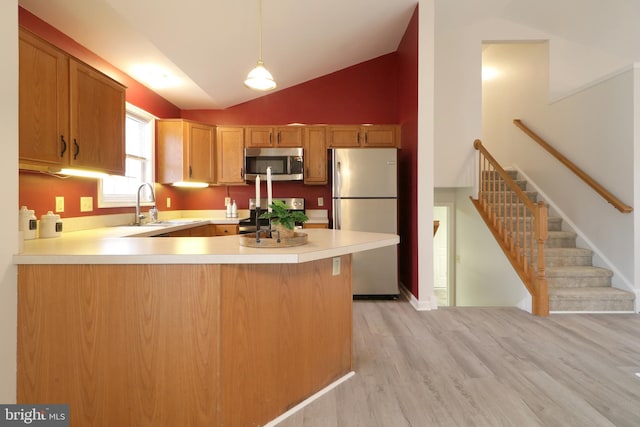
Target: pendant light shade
(260,78)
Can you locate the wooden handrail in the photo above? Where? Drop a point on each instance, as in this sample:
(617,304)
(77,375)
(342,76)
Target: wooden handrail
(518,224)
(575,169)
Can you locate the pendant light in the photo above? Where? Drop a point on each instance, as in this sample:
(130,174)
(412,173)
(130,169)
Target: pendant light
(260,78)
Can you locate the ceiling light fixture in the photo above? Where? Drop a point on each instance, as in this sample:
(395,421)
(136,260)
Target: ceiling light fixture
(260,78)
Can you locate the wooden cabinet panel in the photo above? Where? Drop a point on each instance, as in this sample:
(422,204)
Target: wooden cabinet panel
(258,136)
(380,136)
(201,152)
(363,136)
(315,155)
(230,155)
(343,136)
(289,136)
(100,337)
(226,229)
(70,114)
(185,151)
(43,102)
(314,225)
(97,119)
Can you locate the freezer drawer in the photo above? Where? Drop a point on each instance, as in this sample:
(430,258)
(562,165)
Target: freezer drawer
(375,272)
(374,215)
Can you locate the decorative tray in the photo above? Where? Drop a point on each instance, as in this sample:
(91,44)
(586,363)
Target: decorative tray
(266,241)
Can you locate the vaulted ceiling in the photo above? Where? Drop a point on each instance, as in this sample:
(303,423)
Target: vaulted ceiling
(210,46)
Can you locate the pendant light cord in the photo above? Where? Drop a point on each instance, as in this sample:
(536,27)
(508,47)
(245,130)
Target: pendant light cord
(260,30)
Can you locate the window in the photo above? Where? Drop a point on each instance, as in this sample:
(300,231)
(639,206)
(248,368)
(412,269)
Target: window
(115,191)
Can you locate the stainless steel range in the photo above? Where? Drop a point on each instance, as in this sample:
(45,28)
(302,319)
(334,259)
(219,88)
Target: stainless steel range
(249,225)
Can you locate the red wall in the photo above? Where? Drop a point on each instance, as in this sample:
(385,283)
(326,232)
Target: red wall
(407,157)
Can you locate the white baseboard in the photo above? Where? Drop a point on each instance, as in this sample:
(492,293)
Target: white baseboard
(419,305)
(308,400)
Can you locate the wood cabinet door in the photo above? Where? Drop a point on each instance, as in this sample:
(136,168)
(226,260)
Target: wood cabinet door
(97,118)
(380,136)
(43,102)
(230,155)
(200,146)
(226,229)
(259,136)
(315,155)
(289,136)
(343,136)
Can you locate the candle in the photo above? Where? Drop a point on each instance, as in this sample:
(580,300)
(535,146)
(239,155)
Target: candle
(258,191)
(269,188)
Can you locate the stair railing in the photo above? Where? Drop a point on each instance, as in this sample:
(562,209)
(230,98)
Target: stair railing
(606,194)
(518,224)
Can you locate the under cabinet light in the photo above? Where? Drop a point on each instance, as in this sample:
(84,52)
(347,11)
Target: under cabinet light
(190,184)
(80,173)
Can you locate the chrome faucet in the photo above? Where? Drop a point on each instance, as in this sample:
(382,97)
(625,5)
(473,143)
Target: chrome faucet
(139,216)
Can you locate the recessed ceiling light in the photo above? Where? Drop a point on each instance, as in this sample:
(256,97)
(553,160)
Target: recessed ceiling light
(154,76)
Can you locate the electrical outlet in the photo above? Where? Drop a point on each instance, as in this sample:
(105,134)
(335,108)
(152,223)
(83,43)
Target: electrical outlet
(168,202)
(227,201)
(59,204)
(320,201)
(336,266)
(86,204)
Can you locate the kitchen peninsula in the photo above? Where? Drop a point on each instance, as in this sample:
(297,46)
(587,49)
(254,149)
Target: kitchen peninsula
(189,331)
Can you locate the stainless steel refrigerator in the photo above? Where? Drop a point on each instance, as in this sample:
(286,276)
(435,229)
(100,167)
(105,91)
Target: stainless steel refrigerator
(365,198)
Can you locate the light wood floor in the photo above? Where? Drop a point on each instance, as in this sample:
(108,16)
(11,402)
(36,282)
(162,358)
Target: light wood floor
(484,367)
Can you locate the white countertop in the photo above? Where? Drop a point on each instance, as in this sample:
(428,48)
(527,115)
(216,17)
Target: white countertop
(130,245)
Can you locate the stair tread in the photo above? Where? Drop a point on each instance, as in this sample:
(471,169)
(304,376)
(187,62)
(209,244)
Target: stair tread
(590,293)
(568,251)
(577,271)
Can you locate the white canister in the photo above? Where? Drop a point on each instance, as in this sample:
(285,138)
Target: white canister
(28,223)
(50,225)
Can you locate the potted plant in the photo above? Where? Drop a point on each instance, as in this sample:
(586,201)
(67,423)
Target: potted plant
(283,219)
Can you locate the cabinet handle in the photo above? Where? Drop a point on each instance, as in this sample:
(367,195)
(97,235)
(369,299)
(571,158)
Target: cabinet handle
(307,172)
(190,171)
(270,138)
(358,138)
(64,146)
(241,172)
(366,138)
(75,144)
(278,137)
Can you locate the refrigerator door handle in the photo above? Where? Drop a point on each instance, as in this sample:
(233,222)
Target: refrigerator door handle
(336,211)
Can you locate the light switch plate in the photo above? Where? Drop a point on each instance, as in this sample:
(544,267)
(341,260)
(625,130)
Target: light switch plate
(320,201)
(86,204)
(168,202)
(59,203)
(227,201)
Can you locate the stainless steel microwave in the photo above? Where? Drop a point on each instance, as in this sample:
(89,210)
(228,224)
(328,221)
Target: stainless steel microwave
(286,163)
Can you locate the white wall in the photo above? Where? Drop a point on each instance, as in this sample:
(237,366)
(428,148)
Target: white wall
(593,127)
(483,275)
(461,26)
(9,212)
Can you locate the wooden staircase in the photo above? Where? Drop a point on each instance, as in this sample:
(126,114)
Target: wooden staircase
(571,282)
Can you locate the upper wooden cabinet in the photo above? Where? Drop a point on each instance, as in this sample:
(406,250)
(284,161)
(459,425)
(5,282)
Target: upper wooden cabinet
(363,136)
(315,155)
(185,151)
(267,136)
(230,155)
(69,113)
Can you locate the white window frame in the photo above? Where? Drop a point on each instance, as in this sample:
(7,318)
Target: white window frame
(130,199)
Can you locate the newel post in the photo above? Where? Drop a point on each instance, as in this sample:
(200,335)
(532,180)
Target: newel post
(541,299)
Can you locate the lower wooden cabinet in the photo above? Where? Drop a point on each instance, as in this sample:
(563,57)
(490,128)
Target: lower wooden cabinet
(207,230)
(314,225)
